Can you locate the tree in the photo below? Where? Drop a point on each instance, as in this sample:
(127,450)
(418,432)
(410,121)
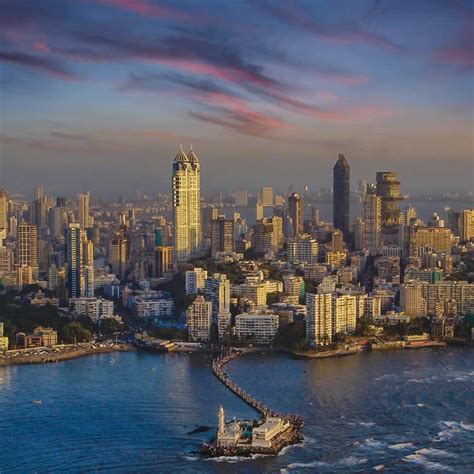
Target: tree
(74,332)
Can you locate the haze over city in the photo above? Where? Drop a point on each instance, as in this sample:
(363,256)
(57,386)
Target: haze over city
(98,94)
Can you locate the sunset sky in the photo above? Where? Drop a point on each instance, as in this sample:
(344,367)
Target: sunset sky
(99,94)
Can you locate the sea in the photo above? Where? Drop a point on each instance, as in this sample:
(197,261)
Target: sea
(390,411)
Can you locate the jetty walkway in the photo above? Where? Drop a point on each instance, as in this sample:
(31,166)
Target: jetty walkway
(221,374)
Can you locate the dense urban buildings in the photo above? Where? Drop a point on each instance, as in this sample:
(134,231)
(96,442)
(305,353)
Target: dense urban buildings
(245,277)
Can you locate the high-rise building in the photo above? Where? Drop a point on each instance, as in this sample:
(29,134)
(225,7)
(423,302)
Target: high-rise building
(222,236)
(411,299)
(388,188)
(120,253)
(296,213)
(163,262)
(186,206)
(303,249)
(337,241)
(437,239)
(344,314)
(372,220)
(3,209)
(195,280)
(267,235)
(27,246)
(217,290)
(341,196)
(241,198)
(467,225)
(266,196)
(199,319)
(74,257)
(319,319)
(83,207)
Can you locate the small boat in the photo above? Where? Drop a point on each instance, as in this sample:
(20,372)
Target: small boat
(37,402)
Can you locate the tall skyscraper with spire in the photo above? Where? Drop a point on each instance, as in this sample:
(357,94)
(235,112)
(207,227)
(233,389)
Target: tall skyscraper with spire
(186,206)
(341,196)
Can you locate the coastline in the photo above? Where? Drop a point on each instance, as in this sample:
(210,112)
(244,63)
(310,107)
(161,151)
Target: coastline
(60,356)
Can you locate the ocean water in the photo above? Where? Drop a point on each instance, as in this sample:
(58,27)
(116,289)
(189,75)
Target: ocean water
(393,411)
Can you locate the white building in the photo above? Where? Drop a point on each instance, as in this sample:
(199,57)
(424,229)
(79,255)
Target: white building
(199,319)
(195,280)
(319,319)
(94,308)
(264,435)
(153,307)
(303,249)
(217,290)
(259,327)
(186,206)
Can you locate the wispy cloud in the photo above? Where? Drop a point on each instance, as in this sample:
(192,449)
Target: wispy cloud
(343,34)
(49,66)
(146,8)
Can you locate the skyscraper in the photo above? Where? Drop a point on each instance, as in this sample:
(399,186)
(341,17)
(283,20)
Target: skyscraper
(222,236)
(186,206)
(83,205)
(372,220)
(341,196)
(388,188)
(266,196)
(3,209)
(296,213)
(319,327)
(74,257)
(27,246)
(120,253)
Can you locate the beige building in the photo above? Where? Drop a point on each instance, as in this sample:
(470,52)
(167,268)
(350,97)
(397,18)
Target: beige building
(293,285)
(319,319)
(344,314)
(258,327)
(411,299)
(467,225)
(186,184)
(438,239)
(3,340)
(199,320)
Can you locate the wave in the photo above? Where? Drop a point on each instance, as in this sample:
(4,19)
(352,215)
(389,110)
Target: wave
(435,453)
(400,446)
(344,462)
(385,376)
(421,460)
(229,459)
(451,428)
(367,424)
(379,467)
(191,458)
(370,443)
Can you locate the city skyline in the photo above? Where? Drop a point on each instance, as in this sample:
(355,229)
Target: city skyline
(83,107)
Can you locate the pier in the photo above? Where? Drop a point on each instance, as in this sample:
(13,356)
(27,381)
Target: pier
(291,434)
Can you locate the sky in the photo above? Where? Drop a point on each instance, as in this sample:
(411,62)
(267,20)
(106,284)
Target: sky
(99,94)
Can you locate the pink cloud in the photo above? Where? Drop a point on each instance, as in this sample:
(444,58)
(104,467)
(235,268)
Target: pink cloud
(145,8)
